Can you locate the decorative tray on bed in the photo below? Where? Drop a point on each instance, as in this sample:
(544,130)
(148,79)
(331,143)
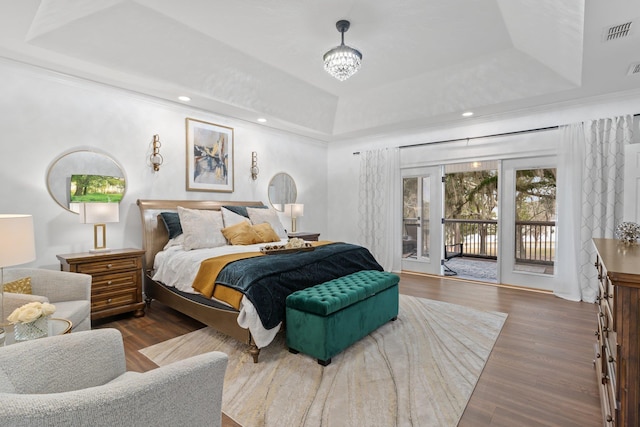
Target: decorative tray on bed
(283,249)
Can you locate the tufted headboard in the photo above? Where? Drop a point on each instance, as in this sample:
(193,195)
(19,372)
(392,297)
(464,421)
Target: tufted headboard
(155,234)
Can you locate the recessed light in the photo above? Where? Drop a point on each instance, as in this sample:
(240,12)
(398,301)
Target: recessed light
(467,114)
(262,120)
(184,98)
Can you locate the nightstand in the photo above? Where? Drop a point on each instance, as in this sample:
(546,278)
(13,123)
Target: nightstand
(116,285)
(304,235)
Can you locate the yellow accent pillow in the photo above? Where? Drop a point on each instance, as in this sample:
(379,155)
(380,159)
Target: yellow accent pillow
(20,286)
(266,233)
(241,234)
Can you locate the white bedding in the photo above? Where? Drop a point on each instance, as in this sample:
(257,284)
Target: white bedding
(177,268)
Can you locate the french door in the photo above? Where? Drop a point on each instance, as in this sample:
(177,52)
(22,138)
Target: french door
(421,219)
(528,231)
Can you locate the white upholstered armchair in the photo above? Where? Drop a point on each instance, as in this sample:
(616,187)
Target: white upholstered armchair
(80,380)
(69,292)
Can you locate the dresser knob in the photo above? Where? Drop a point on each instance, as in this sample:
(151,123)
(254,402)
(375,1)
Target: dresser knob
(611,359)
(109,282)
(601,314)
(609,418)
(109,300)
(597,333)
(109,265)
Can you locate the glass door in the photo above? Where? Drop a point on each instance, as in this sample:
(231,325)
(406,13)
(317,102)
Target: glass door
(421,214)
(529,227)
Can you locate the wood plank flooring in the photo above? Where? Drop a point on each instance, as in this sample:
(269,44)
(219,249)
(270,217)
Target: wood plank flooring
(540,372)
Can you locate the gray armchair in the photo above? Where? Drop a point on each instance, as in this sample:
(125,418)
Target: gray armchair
(69,292)
(80,380)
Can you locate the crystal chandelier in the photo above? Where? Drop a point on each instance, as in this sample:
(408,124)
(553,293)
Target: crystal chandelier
(342,61)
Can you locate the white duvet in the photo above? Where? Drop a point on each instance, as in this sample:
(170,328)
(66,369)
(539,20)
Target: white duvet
(177,268)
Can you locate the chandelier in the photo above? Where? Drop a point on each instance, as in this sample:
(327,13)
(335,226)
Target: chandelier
(342,61)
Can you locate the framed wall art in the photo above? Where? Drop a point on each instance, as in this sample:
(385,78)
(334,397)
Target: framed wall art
(209,157)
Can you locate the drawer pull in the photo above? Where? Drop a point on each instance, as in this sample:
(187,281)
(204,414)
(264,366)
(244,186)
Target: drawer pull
(109,282)
(601,314)
(609,418)
(597,333)
(109,265)
(109,300)
(611,359)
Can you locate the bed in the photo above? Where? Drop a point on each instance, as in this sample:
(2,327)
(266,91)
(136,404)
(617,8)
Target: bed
(323,263)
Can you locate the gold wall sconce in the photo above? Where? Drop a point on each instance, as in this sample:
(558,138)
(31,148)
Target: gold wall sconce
(254,165)
(156,158)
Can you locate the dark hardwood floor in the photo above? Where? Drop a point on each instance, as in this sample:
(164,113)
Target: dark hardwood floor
(540,372)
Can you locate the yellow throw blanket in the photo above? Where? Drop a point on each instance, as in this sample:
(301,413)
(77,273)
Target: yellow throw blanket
(205,281)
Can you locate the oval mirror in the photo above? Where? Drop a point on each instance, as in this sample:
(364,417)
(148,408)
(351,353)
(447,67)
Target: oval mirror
(85,175)
(282,190)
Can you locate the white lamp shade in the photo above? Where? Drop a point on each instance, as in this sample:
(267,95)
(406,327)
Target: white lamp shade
(99,213)
(17,240)
(295,210)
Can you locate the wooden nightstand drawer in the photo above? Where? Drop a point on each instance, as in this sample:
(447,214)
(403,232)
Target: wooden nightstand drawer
(113,299)
(98,267)
(116,285)
(127,279)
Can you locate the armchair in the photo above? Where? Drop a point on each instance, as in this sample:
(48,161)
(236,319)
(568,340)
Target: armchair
(80,379)
(69,292)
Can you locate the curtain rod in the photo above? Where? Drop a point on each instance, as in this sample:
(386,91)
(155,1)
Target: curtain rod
(518,132)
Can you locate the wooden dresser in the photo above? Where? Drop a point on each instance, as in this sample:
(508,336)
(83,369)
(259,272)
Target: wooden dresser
(116,286)
(618,345)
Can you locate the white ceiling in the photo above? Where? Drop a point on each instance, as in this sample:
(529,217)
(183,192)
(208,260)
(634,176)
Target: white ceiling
(424,61)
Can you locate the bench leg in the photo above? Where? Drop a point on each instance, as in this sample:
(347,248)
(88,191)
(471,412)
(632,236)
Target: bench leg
(394,318)
(324,362)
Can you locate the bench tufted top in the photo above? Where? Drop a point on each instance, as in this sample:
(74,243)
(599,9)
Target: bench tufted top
(336,294)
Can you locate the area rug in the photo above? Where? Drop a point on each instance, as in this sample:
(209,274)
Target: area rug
(417,371)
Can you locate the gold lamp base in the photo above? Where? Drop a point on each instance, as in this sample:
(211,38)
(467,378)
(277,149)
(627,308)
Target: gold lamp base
(99,239)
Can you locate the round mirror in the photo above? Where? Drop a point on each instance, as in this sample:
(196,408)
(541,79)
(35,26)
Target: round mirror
(85,176)
(282,190)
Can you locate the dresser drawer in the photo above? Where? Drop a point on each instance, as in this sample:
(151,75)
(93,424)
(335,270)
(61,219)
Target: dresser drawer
(101,283)
(98,267)
(113,298)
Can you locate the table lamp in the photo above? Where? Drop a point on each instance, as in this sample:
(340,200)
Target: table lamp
(99,214)
(295,210)
(17,246)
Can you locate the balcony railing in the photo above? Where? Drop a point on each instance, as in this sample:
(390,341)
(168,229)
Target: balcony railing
(534,240)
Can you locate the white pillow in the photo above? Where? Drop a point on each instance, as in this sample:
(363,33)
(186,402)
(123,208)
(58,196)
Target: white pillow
(231,218)
(201,228)
(258,216)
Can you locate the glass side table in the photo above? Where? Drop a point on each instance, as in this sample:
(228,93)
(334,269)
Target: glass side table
(56,327)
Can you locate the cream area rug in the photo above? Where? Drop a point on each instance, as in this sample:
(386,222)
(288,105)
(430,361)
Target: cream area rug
(417,371)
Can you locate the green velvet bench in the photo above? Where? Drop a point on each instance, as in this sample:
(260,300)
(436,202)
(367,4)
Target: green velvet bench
(323,320)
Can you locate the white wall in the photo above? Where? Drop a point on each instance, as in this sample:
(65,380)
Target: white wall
(344,165)
(46,114)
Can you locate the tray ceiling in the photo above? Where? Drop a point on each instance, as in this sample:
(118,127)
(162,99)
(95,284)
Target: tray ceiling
(424,61)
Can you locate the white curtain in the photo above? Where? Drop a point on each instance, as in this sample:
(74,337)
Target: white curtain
(378,200)
(592,172)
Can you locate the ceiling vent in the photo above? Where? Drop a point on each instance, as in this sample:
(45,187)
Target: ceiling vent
(634,69)
(616,32)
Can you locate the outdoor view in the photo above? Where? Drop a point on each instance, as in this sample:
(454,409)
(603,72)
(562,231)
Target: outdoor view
(471,216)
(536,220)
